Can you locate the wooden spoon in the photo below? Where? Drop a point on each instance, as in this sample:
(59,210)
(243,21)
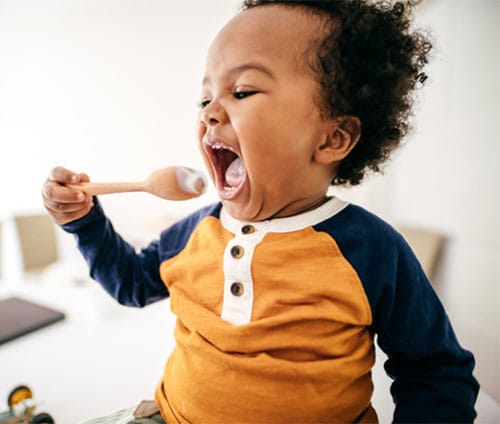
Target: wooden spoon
(171,183)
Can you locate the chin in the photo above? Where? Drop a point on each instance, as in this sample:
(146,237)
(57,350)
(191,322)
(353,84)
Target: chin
(242,212)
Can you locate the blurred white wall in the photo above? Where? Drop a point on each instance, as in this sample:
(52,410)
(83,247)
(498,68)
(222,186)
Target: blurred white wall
(109,87)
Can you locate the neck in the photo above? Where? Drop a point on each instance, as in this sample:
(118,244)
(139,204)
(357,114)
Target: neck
(291,210)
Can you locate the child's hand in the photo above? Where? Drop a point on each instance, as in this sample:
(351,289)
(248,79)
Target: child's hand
(63,203)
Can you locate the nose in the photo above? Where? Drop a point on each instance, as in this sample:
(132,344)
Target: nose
(213,114)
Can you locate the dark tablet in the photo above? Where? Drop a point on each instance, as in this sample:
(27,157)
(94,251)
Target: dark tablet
(19,317)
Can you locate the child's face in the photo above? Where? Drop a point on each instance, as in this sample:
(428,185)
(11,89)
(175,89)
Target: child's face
(261,126)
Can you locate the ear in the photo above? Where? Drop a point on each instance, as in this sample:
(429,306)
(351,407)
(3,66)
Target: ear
(343,134)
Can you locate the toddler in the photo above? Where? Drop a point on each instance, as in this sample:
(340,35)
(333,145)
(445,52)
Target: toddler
(280,290)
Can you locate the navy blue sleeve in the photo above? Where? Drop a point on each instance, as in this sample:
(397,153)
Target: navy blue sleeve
(131,278)
(431,372)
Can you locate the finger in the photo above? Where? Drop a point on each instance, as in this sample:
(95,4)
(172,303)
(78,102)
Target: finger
(62,208)
(63,175)
(63,216)
(55,192)
(83,178)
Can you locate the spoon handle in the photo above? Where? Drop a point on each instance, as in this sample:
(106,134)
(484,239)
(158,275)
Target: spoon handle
(94,189)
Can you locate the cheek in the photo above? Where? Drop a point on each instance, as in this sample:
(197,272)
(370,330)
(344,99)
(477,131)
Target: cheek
(207,162)
(200,133)
(201,129)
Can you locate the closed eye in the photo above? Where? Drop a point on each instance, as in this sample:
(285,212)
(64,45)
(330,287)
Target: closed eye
(203,103)
(243,94)
(237,95)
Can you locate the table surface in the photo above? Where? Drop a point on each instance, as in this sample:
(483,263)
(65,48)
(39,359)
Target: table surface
(105,357)
(102,357)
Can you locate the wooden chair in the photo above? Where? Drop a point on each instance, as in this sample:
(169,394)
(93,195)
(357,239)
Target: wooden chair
(37,241)
(426,244)
(1,257)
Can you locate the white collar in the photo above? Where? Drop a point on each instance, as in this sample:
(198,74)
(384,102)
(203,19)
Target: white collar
(288,224)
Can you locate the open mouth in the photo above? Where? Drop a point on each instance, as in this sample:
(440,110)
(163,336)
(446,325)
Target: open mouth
(229,169)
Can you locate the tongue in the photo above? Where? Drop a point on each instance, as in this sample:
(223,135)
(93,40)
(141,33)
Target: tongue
(235,173)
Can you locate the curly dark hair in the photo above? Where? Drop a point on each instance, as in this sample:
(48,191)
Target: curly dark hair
(368,64)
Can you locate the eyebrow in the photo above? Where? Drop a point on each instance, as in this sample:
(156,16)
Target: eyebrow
(246,67)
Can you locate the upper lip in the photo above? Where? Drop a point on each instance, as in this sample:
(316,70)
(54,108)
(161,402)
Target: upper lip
(213,142)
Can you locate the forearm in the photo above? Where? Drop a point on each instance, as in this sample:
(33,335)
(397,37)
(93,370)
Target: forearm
(432,372)
(131,278)
(438,389)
